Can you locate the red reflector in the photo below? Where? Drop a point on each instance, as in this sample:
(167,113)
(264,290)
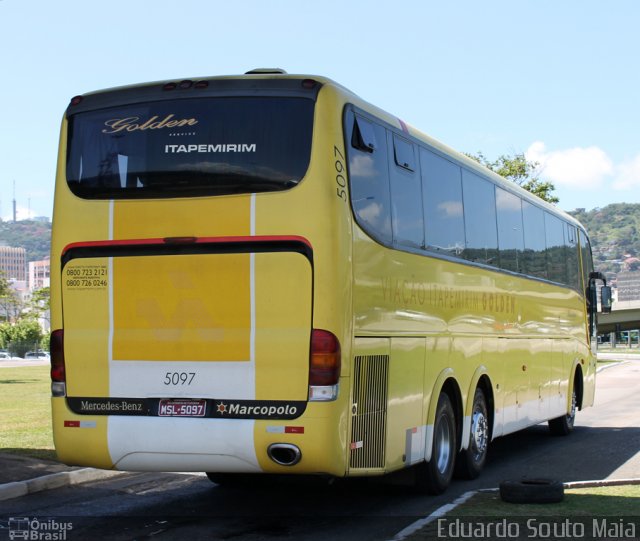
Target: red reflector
(76,100)
(170,86)
(294,429)
(324,366)
(202,84)
(308,83)
(72,424)
(56,347)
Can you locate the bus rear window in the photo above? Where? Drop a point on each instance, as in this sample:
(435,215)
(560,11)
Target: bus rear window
(190,147)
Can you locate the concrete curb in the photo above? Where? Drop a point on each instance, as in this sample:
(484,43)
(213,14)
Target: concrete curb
(604,483)
(611,365)
(18,489)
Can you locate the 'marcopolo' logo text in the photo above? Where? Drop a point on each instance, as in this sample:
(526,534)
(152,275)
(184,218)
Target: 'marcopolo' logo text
(257,410)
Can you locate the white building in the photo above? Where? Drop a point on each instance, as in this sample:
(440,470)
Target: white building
(39,277)
(39,274)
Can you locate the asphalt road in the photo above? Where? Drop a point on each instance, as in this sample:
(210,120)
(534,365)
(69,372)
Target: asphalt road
(605,444)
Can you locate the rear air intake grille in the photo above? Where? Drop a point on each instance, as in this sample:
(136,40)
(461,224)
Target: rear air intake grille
(369,410)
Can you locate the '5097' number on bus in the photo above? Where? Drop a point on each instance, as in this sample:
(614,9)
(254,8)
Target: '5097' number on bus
(341,181)
(179,378)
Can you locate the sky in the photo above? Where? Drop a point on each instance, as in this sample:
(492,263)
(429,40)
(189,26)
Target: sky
(556,80)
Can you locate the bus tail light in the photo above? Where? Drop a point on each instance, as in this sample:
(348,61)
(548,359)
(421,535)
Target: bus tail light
(324,366)
(58,376)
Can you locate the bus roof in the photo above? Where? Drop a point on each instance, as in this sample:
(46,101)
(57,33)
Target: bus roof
(277,74)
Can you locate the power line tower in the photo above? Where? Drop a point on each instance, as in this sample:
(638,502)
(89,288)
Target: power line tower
(15,210)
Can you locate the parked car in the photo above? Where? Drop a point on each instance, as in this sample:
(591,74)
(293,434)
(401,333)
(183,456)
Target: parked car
(36,355)
(4,355)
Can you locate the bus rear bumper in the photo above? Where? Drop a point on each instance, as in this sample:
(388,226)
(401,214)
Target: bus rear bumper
(143,443)
(178,444)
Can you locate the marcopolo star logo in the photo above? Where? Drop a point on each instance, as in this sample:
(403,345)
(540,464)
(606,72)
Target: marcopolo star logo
(222,408)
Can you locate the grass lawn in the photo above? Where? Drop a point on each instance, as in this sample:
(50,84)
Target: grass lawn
(25,394)
(614,500)
(604,362)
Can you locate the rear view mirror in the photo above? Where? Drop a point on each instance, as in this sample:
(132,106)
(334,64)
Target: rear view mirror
(605,299)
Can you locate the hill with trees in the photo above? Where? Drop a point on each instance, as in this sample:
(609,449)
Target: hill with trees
(32,235)
(615,236)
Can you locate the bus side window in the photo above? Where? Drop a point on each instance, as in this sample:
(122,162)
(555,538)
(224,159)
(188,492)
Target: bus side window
(363,136)
(587,261)
(535,262)
(403,153)
(442,202)
(369,177)
(510,230)
(480,226)
(573,266)
(556,253)
(406,194)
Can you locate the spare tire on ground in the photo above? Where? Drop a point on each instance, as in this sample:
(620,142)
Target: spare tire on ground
(532,491)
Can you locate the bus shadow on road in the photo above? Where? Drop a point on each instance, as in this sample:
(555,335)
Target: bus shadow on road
(589,453)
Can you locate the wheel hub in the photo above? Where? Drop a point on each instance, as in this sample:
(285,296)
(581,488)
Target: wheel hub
(479,433)
(443,447)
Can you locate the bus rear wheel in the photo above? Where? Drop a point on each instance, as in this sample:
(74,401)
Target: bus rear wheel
(563,426)
(471,460)
(435,476)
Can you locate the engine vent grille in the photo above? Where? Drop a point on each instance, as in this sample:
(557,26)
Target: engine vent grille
(369,411)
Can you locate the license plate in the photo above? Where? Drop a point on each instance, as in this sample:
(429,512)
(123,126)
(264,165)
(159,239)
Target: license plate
(182,408)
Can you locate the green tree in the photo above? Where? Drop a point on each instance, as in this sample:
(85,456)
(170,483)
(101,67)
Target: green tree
(38,305)
(24,335)
(4,284)
(524,173)
(10,304)
(5,335)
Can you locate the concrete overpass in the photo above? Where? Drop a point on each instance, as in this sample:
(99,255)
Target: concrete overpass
(624,316)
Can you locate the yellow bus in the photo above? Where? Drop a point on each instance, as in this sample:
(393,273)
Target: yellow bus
(266,274)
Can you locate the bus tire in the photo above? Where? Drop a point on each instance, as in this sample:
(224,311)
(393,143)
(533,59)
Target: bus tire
(532,491)
(563,425)
(435,476)
(471,460)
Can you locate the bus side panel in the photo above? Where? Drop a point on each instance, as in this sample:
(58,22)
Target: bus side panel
(368,404)
(560,372)
(405,415)
(589,367)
